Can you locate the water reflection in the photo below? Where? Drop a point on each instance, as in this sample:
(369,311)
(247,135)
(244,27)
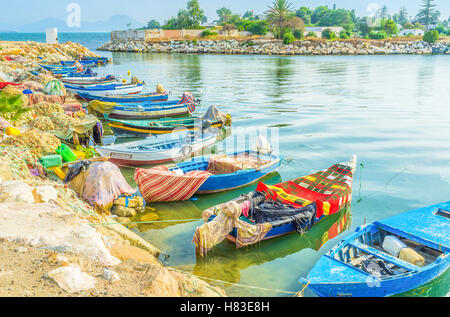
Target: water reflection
(180,210)
(225,262)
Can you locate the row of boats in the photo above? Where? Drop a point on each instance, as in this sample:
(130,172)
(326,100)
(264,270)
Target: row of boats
(384,258)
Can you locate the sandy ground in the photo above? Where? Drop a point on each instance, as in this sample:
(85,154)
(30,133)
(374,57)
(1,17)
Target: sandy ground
(23,273)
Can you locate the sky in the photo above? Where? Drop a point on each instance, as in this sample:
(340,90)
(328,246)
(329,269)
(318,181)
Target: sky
(28,11)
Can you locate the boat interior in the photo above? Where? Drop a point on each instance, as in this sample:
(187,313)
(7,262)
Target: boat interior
(225,164)
(367,249)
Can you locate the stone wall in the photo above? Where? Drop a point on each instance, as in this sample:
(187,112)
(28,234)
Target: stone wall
(274,47)
(156,35)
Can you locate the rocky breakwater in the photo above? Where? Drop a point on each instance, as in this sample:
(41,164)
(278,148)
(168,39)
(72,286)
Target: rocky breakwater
(273,47)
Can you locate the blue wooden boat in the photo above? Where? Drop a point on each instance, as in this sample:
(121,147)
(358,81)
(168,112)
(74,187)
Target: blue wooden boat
(139,98)
(292,206)
(85,63)
(360,266)
(223,182)
(57,67)
(86,74)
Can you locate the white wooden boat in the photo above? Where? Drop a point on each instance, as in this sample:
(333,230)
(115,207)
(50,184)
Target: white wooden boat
(158,149)
(107,90)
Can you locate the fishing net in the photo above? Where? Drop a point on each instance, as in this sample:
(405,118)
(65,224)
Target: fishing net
(43,124)
(47,109)
(38,143)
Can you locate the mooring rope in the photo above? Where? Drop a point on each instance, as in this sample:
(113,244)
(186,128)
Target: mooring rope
(143,222)
(381,188)
(243,285)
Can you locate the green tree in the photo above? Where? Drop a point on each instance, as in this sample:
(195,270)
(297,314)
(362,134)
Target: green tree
(318,13)
(305,14)
(191,18)
(224,15)
(249,15)
(402,16)
(384,13)
(363,26)
(279,15)
(431,36)
(153,24)
(328,34)
(428,14)
(390,27)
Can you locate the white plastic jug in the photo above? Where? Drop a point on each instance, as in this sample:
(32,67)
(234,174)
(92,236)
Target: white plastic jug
(393,245)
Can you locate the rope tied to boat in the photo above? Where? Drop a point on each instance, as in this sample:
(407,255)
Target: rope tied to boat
(143,222)
(295,294)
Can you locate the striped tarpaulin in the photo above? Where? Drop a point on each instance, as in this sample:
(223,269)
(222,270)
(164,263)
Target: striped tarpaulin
(189,100)
(159,184)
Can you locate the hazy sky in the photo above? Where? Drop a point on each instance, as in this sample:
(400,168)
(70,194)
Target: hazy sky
(27,11)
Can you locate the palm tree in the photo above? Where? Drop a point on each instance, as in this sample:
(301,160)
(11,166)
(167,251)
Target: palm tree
(279,15)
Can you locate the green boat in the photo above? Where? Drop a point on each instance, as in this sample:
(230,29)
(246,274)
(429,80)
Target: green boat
(142,128)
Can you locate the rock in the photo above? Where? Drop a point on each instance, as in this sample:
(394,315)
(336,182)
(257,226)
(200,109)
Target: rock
(127,252)
(72,279)
(21,249)
(52,228)
(122,211)
(46,193)
(110,275)
(18,191)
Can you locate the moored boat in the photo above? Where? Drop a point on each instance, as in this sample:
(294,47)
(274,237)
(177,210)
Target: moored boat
(138,98)
(142,128)
(108,90)
(204,175)
(387,257)
(272,211)
(158,149)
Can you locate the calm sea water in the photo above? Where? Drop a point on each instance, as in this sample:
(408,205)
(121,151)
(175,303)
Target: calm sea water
(391,111)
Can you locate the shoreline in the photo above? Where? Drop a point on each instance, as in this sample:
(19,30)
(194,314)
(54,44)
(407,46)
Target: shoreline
(275,47)
(51,240)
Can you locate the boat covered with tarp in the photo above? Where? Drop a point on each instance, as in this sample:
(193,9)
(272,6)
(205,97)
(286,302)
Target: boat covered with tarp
(387,257)
(147,110)
(203,175)
(274,210)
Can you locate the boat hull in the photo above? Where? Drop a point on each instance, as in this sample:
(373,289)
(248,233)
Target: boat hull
(221,183)
(124,99)
(152,113)
(141,158)
(124,130)
(119,90)
(337,273)
(377,288)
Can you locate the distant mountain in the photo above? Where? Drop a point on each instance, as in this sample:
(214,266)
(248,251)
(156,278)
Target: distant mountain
(116,22)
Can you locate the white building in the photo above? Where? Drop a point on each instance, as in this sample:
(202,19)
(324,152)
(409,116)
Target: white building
(414,32)
(318,29)
(51,36)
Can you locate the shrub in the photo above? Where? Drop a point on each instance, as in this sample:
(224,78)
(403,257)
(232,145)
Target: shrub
(343,35)
(431,36)
(298,34)
(328,34)
(377,35)
(206,33)
(260,27)
(288,38)
(311,34)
